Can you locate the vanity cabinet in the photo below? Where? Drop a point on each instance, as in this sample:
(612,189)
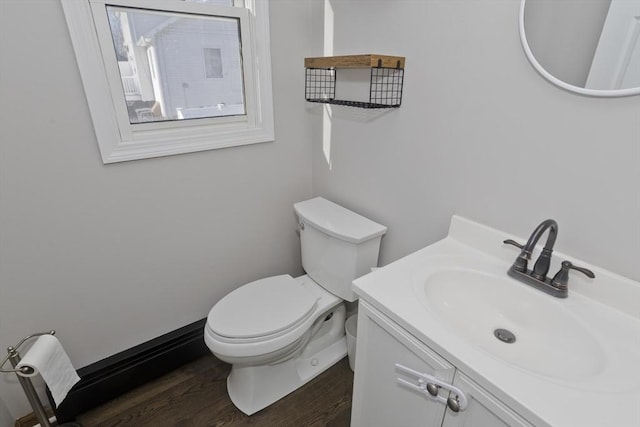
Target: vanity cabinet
(385,395)
(483,408)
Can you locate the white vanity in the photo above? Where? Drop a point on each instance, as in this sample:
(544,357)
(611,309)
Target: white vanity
(434,342)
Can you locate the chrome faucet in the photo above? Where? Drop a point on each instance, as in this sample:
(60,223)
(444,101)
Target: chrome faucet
(537,277)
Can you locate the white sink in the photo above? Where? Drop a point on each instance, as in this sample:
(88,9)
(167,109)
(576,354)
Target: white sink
(548,339)
(574,361)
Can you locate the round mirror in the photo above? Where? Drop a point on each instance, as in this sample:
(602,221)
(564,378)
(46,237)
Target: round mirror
(589,47)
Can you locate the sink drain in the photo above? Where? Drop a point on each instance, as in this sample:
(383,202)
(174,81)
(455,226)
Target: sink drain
(505,335)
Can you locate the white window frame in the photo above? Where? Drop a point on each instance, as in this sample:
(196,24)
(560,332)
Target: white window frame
(121,141)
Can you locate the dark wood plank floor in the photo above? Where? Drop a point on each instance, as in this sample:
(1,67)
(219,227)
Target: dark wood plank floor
(196,395)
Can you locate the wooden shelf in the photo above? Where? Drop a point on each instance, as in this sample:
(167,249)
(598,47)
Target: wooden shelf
(355,61)
(385,82)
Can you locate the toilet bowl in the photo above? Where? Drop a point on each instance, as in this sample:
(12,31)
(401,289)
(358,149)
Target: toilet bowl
(280,332)
(293,344)
(261,321)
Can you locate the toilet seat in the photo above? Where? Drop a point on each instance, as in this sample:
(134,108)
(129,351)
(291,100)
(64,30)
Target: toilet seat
(256,345)
(261,310)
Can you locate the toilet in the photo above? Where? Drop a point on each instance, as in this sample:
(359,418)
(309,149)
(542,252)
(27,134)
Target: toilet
(280,332)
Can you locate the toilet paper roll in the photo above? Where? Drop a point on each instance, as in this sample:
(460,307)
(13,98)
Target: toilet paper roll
(47,358)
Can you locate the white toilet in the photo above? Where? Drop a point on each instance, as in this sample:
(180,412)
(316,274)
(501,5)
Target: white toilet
(280,332)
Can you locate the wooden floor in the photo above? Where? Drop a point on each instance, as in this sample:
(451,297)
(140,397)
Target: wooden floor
(196,395)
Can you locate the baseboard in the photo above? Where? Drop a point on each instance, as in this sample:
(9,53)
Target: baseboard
(115,375)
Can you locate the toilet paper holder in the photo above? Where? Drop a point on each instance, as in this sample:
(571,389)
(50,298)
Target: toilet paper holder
(14,358)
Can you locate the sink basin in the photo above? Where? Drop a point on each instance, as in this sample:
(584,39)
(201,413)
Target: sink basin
(574,361)
(549,340)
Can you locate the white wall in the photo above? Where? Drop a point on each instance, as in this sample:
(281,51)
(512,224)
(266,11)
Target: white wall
(111,256)
(480,134)
(6,420)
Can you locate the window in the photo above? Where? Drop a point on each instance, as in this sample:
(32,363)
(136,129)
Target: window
(213,63)
(165,77)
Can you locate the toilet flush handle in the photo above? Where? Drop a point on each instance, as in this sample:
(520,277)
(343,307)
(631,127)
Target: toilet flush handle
(301,225)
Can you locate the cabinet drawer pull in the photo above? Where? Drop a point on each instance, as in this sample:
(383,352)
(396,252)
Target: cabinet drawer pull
(430,387)
(433,389)
(454,404)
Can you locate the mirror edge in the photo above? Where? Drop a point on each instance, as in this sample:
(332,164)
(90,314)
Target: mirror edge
(601,93)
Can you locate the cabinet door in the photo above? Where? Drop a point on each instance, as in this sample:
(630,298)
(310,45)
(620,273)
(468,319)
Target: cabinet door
(483,408)
(379,399)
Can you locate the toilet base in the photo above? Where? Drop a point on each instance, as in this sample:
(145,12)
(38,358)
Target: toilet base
(252,388)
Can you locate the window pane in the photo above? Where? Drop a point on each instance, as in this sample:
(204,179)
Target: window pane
(177,66)
(213,63)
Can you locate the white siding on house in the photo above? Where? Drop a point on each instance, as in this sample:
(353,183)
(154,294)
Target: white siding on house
(179,49)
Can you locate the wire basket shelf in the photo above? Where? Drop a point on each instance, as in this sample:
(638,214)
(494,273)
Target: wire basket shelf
(385,85)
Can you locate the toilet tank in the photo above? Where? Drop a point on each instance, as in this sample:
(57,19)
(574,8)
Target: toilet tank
(337,245)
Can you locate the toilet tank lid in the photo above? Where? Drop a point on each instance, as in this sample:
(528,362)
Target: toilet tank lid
(337,221)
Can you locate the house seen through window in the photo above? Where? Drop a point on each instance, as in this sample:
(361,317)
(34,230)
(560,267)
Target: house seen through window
(169,70)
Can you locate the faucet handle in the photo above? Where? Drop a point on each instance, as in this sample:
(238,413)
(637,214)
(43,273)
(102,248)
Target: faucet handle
(520,264)
(562,277)
(514,243)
